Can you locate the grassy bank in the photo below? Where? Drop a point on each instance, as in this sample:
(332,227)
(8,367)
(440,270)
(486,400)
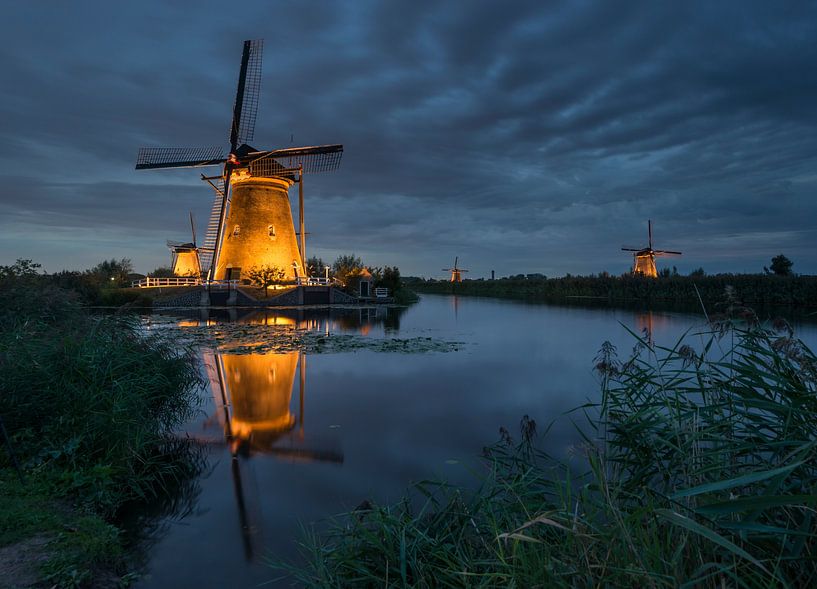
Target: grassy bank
(699,469)
(758,290)
(89,404)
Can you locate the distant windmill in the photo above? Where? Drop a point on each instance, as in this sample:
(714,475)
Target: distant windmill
(456,272)
(644,258)
(185,256)
(251,222)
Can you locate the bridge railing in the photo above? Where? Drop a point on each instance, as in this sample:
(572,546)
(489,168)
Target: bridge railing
(314,281)
(150,282)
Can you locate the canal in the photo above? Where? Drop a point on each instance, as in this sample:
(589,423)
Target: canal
(381,398)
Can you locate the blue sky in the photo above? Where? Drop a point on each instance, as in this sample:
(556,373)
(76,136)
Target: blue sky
(519,136)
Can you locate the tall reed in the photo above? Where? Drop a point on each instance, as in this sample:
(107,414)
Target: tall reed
(91,400)
(699,469)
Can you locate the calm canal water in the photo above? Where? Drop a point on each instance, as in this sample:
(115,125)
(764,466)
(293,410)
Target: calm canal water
(318,433)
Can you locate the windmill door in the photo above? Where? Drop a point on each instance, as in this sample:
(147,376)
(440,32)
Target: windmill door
(233,273)
(364,288)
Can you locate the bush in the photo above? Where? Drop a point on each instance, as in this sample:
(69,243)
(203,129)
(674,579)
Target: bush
(92,400)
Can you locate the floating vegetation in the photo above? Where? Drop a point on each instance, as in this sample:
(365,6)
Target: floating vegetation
(243,338)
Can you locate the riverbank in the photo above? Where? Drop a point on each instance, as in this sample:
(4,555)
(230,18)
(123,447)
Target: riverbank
(699,469)
(756,290)
(89,404)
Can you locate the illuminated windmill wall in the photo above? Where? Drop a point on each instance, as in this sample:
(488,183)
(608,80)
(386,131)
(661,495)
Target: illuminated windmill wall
(185,259)
(644,257)
(185,256)
(250,223)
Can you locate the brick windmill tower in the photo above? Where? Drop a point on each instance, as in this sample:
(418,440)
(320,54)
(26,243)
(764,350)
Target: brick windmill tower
(644,257)
(251,221)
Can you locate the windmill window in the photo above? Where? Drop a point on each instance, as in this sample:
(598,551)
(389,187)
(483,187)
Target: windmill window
(236,230)
(271,230)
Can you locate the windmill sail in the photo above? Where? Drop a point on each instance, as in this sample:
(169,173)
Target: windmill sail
(245,108)
(150,158)
(244,167)
(210,237)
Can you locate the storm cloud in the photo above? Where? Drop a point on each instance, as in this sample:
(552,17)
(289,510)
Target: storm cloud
(519,136)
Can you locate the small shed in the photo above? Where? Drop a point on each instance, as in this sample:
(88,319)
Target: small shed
(364,289)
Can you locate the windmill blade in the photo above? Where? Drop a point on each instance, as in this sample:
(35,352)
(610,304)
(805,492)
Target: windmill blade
(633,249)
(178,157)
(316,159)
(193,228)
(245,108)
(666,252)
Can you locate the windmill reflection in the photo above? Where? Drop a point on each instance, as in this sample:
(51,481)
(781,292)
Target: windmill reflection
(647,322)
(355,319)
(252,395)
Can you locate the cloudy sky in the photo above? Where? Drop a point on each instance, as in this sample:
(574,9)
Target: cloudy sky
(520,136)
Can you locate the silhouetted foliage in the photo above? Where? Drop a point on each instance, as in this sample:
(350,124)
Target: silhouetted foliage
(113,271)
(315,266)
(781,265)
(755,289)
(162,272)
(22,268)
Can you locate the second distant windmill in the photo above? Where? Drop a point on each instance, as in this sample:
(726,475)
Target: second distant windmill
(456,271)
(644,257)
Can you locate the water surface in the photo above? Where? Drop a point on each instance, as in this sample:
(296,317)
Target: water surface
(316,434)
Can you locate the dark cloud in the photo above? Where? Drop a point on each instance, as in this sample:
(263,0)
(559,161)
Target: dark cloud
(522,136)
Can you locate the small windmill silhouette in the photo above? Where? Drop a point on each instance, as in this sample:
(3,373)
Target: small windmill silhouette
(456,272)
(644,257)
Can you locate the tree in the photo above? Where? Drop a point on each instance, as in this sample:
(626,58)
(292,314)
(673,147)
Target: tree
(315,266)
(22,268)
(346,267)
(266,276)
(781,266)
(389,278)
(162,272)
(697,273)
(112,272)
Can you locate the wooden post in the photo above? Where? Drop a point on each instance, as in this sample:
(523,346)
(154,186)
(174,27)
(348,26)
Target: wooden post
(301,217)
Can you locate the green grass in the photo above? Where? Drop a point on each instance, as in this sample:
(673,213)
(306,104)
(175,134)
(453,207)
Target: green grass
(77,542)
(699,469)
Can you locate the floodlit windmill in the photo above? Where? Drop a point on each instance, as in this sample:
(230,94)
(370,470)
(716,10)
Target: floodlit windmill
(644,258)
(456,272)
(185,256)
(251,222)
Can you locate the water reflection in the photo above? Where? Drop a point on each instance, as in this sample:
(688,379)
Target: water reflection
(252,395)
(647,323)
(327,320)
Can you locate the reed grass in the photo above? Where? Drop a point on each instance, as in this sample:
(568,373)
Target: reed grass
(698,469)
(93,398)
(90,403)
